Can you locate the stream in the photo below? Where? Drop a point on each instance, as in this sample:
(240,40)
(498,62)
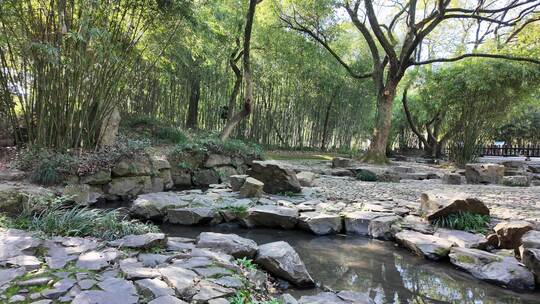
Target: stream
(389,274)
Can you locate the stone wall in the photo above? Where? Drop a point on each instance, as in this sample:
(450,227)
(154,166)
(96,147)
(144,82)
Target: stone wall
(148,174)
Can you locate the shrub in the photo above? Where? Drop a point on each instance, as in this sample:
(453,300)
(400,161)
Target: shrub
(366,176)
(157,131)
(213,144)
(464,221)
(245,263)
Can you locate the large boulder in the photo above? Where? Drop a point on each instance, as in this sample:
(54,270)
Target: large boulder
(510,233)
(182,280)
(232,244)
(500,270)
(429,246)
(276,178)
(237,181)
(451,179)
(132,167)
(462,238)
(306,178)
(272,216)
(281,260)
(215,160)
(439,204)
(155,205)
(109,128)
(341,162)
(191,216)
(484,173)
(205,177)
(100,177)
(320,223)
(127,187)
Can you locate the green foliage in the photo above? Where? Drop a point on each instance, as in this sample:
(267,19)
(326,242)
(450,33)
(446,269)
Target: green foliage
(240,211)
(366,176)
(153,129)
(53,217)
(245,263)
(244,297)
(212,144)
(464,221)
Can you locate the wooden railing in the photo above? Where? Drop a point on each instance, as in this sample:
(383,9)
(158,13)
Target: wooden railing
(508,150)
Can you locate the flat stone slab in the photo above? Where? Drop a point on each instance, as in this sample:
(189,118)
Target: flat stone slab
(167,300)
(281,260)
(272,216)
(383,227)
(358,222)
(97,260)
(181,279)
(344,297)
(320,223)
(153,288)
(232,244)
(140,241)
(462,238)
(209,291)
(132,270)
(191,216)
(155,205)
(500,270)
(16,242)
(428,246)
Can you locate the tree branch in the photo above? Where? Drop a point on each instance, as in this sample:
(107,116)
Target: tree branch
(481,55)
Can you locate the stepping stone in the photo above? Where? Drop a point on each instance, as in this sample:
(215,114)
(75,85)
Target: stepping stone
(320,223)
(167,300)
(440,204)
(181,279)
(510,233)
(209,291)
(272,217)
(251,188)
(152,259)
(97,260)
(358,222)
(133,270)
(429,246)
(382,227)
(281,260)
(232,244)
(191,216)
(153,288)
(142,241)
(500,270)
(462,238)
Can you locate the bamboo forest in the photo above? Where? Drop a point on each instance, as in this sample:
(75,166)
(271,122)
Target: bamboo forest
(270,151)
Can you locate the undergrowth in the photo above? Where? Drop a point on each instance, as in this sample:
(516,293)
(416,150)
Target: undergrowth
(151,128)
(464,221)
(57,217)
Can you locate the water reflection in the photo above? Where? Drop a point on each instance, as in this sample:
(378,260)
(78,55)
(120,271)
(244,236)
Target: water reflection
(387,273)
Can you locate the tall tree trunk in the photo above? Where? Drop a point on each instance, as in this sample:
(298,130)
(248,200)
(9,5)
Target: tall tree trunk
(325,126)
(248,81)
(193,109)
(383,122)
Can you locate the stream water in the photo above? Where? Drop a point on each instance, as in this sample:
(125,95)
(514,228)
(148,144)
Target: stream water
(387,273)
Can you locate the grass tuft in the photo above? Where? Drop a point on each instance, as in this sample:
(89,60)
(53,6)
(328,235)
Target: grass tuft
(466,221)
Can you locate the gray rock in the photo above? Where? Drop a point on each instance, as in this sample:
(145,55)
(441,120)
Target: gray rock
(358,222)
(115,290)
(355,297)
(251,188)
(97,260)
(484,173)
(153,288)
(86,284)
(272,216)
(344,297)
(146,240)
(59,288)
(320,223)
(500,270)
(429,246)
(383,227)
(510,233)
(109,128)
(209,291)
(132,167)
(531,239)
(17,298)
(155,205)
(531,258)
(440,204)
(228,281)
(281,260)
(276,178)
(152,259)
(237,181)
(35,281)
(181,279)
(287,299)
(516,181)
(341,162)
(16,242)
(341,172)
(462,238)
(126,187)
(306,178)
(232,244)
(10,274)
(101,177)
(416,223)
(181,177)
(83,194)
(451,179)
(205,177)
(210,272)
(191,216)
(132,270)
(215,160)
(29,262)
(167,300)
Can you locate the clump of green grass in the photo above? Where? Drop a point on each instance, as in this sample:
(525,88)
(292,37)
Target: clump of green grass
(244,297)
(245,263)
(58,218)
(240,211)
(366,176)
(467,221)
